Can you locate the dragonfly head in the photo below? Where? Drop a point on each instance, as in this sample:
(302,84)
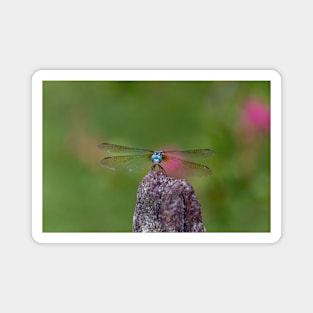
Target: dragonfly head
(156,157)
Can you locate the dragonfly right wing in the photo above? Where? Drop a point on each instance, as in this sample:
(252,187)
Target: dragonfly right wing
(108,147)
(127,162)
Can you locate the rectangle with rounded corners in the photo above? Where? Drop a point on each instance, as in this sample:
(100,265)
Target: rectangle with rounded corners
(146,75)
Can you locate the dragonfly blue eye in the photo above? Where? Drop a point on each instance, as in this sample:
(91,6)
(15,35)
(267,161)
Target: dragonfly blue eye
(156,157)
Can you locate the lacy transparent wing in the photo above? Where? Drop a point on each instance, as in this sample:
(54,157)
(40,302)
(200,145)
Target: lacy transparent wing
(193,169)
(195,153)
(127,162)
(108,147)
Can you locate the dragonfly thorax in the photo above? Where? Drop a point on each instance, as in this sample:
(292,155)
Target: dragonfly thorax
(156,157)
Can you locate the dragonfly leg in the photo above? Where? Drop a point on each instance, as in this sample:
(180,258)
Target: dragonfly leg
(160,168)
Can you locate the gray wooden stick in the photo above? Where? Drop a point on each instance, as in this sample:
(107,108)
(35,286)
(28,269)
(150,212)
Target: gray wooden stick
(166,204)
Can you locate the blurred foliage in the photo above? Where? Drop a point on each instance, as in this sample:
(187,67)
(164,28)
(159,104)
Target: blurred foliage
(81,196)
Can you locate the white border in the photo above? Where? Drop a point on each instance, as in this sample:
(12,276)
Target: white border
(167,75)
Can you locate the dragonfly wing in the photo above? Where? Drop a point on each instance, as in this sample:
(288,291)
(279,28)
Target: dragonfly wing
(126,162)
(191,167)
(108,147)
(195,153)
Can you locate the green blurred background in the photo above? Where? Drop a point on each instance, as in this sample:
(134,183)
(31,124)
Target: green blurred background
(81,196)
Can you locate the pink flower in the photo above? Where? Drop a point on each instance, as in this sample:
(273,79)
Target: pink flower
(256,115)
(173,168)
(254,121)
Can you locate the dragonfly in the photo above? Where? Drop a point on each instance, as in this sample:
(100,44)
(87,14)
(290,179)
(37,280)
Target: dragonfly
(135,158)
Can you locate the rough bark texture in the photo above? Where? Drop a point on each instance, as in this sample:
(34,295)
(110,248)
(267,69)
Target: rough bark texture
(166,204)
